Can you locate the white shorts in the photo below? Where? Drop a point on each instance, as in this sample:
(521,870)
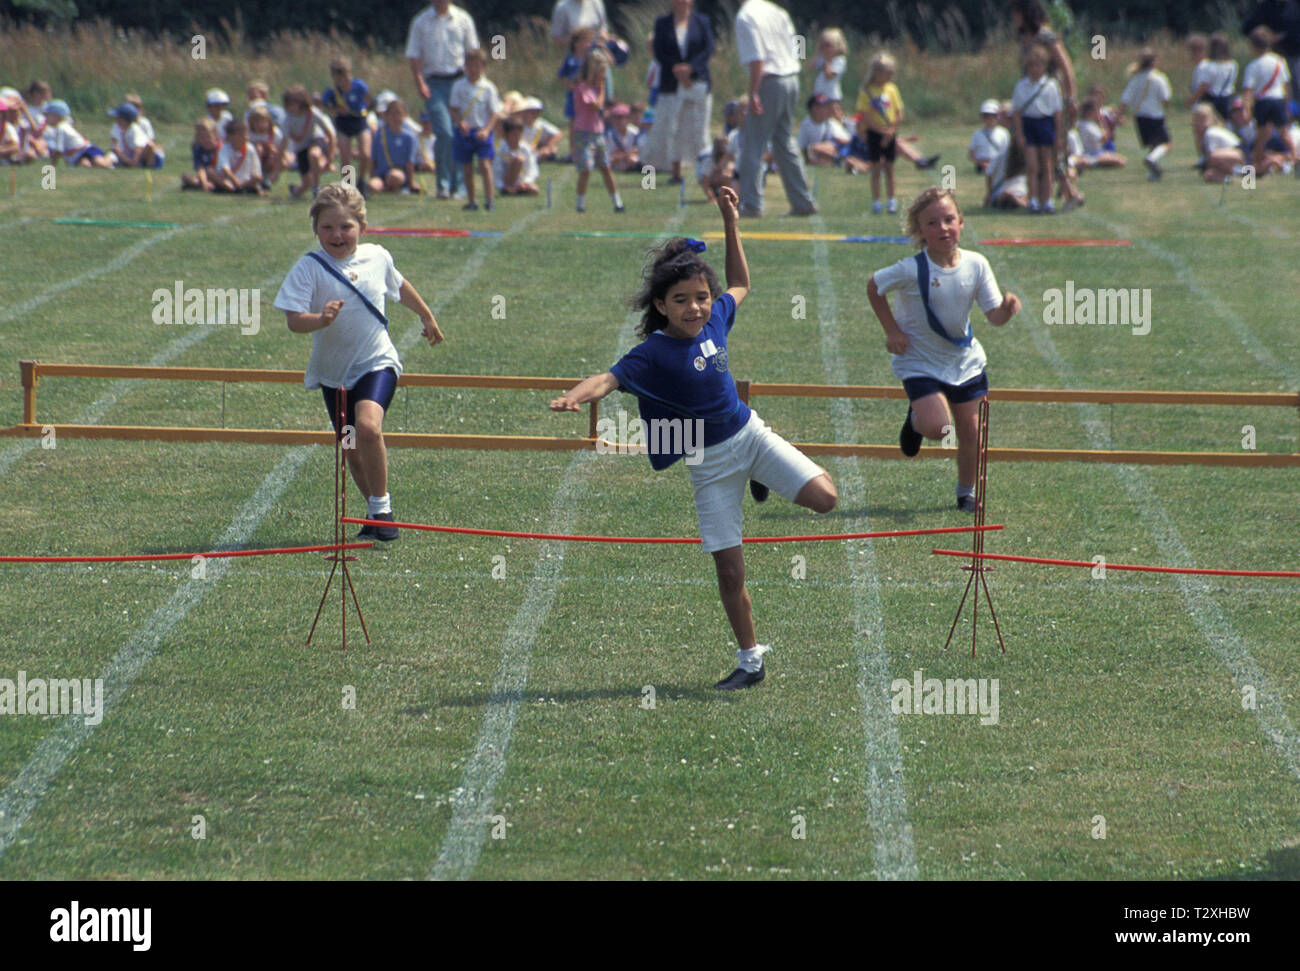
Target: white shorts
(719,478)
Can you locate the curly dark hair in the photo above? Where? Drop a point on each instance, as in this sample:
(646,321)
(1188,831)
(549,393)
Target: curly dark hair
(669,264)
(1032,15)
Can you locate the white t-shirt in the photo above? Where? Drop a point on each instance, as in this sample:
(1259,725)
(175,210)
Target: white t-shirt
(440,43)
(130,138)
(764,32)
(1037,99)
(356,343)
(1093,138)
(953,291)
(1260,71)
(243,166)
(1147,93)
(989,143)
(830,130)
(538,132)
(65,140)
(830,86)
(1217,137)
(704,164)
(529,173)
(300,130)
(476,103)
(622,143)
(571,15)
(1221,76)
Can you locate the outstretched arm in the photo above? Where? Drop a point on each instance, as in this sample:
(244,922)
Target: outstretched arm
(737,267)
(589,389)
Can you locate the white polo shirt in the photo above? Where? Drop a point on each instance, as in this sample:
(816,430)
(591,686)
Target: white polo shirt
(764,32)
(438,42)
(571,15)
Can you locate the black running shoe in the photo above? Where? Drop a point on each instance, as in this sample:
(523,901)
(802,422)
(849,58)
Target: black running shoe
(927,163)
(759,491)
(740,678)
(909,439)
(385,534)
(966,503)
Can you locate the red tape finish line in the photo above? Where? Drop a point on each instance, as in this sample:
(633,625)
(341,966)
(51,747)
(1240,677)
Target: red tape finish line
(659,539)
(1123,566)
(1037,241)
(223,554)
(434,232)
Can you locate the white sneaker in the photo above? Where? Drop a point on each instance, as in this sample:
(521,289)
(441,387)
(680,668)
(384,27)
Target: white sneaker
(1033,205)
(893,205)
(876,207)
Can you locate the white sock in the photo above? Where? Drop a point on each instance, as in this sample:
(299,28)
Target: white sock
(379,504)
(964,491)
(618,199)
(751,660)
(582,201)
(1157,153)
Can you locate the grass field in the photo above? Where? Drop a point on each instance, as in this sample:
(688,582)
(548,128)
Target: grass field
(498,729)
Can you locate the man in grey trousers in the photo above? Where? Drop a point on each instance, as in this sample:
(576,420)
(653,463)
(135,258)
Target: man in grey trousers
(765,42)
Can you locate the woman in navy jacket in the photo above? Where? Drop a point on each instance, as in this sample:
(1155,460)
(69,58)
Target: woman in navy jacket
(683,44)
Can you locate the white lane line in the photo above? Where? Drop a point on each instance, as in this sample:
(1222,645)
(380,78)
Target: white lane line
(1187,276)
(473,800)
(21,797)
(895,853)
(1197,592)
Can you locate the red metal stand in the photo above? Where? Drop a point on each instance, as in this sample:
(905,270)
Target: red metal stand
(977,566)
(338,557)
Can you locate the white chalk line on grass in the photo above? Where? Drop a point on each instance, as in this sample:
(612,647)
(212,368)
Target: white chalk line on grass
(473,801)
(1214,626)
(21,797)
(1188,278)
(895,852)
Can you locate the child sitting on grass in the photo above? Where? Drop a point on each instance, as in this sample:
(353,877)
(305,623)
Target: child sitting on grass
(65,142)
(203,153)
(311,139)
(239,168)
(515,167)
(394,151)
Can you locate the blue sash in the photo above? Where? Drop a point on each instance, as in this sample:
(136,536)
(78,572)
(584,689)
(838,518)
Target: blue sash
(351,286)
(923,279)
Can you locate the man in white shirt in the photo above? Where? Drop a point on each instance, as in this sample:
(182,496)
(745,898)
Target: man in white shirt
(571,15)
(439,37)
(765,43)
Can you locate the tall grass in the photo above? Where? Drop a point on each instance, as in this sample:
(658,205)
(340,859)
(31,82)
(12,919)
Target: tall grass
(92,64)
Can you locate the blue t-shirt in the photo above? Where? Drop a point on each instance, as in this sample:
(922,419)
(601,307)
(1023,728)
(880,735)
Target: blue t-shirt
(355,97)
(203,157)
(678,378)
(391,151)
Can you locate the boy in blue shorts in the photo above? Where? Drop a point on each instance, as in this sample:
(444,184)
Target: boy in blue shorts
(475,110)
(348,100)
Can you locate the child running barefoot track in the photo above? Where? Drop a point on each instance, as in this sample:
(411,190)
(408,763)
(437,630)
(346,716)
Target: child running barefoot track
(679,375)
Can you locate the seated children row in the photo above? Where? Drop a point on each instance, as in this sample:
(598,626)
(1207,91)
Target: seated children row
(37,127)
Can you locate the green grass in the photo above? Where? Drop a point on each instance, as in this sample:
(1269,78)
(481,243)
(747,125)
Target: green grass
(1114,699)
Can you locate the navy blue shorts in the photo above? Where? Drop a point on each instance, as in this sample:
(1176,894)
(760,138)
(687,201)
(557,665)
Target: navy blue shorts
(349,126)
(876,149)
(1270,111)
(1039,131)
(465,148)
(377,386)
(1152,131)
(956,394)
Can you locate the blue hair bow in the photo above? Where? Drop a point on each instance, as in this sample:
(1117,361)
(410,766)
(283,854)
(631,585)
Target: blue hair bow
(697,245)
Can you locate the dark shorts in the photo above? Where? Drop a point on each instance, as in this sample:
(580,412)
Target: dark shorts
(956,394)
(1039,131)
(349,126)
(90,152)
(304,162)
(466,148)
(377,386)
(1270,111)
(1152,131)
(876,150)
(1222,104)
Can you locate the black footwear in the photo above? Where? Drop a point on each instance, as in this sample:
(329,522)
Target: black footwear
(385,534)
(740,678)
(470,207)
(909,439)
(966,503)
(927,163)
(759,491)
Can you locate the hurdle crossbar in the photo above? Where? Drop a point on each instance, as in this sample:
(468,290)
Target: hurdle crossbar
(32,427)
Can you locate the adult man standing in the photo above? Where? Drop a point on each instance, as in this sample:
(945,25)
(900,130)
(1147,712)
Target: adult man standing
(439,37)
(765,42)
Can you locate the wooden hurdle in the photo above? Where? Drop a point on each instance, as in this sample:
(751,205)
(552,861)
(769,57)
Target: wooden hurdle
(32,427)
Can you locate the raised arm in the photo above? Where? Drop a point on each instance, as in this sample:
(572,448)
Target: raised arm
(589,389)
(737,267)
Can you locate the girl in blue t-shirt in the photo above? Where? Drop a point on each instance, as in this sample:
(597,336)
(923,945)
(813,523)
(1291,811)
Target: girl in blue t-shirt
(688,402)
